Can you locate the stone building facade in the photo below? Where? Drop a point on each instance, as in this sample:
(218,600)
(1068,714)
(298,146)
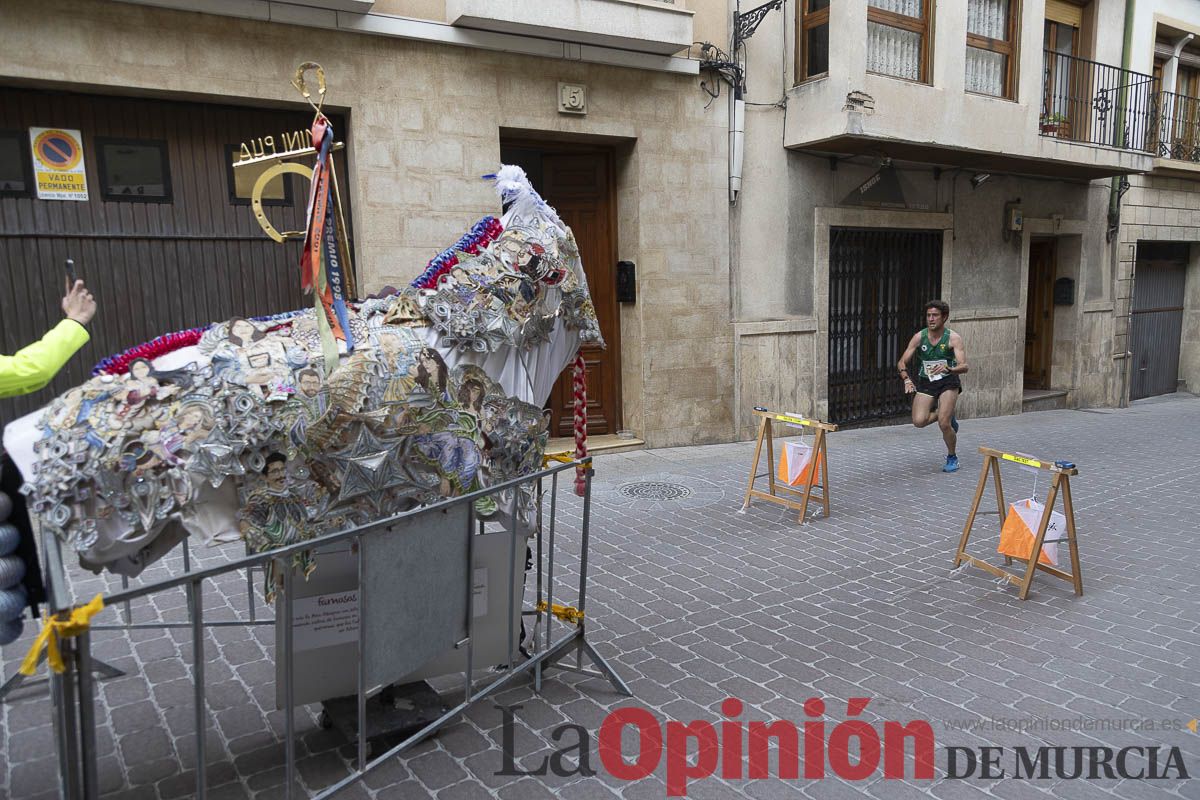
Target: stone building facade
(891,149)
(1160,214)
(428,106)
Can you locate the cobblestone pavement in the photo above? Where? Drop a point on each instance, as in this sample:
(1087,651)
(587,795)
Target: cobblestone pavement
(694,602)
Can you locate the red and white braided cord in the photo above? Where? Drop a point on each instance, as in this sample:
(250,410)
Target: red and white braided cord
(579,385)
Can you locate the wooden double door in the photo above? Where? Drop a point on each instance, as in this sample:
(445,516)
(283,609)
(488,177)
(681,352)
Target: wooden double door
(579,183)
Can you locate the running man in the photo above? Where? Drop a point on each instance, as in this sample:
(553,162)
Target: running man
(940,359)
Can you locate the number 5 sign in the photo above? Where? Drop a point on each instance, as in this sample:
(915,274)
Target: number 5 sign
(572,98)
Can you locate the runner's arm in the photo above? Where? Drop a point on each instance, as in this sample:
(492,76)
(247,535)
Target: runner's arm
(913,343)
(960,355)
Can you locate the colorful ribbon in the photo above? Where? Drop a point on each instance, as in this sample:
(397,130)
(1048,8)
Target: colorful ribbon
(53,629)
(320,264)
(482,233)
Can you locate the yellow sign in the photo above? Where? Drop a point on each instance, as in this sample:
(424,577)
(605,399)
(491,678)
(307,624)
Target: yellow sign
(796,420)
(1029,462)
(58,164)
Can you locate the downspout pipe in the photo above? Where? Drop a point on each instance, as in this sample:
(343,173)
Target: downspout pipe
(1114,210)
(1126,57)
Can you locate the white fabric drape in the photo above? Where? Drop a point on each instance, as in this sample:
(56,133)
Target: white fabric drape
(893,51)
(985,69)
(909,8)
(985,72)
(988,18)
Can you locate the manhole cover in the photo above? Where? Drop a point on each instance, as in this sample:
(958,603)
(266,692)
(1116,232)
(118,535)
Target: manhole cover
(654,490)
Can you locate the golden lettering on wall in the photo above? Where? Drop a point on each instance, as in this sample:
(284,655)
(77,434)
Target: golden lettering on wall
(294,143)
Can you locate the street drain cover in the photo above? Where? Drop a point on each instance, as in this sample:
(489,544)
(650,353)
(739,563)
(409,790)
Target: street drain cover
(654,490)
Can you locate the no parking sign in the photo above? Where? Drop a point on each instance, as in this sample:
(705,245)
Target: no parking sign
(58,164)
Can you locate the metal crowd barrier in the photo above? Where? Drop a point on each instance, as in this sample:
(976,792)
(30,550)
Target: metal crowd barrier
(73,691)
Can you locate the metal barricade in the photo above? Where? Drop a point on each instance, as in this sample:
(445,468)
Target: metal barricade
(73,691)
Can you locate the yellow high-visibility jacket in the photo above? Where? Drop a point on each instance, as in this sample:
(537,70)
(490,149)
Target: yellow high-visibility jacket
(32,367)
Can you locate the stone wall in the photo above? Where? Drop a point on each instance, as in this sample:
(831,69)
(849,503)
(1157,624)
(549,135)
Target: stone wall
(425,122)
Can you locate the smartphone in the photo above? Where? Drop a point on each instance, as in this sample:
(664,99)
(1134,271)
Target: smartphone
(70,267)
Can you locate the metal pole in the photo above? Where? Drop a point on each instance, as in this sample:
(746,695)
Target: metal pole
(362,656)
(128,604)
(537,672)
(583,555)
(87,716)
(512,565)
(550,558)
(196,601)
(250,592)
(469,676)
(69,698)
(66,752)
(289,711)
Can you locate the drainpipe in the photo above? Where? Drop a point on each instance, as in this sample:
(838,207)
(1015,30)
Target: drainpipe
(1114,209)
(737,140)
(1126,56)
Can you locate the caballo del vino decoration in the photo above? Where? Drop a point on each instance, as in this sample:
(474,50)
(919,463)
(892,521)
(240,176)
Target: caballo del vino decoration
(273,430)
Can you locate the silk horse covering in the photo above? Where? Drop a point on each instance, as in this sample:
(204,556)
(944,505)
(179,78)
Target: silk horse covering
(245,433)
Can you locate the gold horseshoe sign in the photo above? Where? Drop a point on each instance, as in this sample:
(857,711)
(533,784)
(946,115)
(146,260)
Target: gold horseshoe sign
(277,156)
(266,177)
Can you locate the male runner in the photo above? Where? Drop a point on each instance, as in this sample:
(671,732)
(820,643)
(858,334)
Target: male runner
(939,359)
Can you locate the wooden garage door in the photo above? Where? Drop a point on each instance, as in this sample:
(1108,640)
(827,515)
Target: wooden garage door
(155,264)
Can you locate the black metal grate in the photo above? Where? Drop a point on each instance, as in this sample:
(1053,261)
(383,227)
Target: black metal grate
(879,282)
(654,490)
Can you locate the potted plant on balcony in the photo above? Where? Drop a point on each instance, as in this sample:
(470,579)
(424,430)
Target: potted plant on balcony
(1055,125)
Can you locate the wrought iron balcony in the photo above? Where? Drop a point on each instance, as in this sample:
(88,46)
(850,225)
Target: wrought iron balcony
(1098,104)
(1177,131)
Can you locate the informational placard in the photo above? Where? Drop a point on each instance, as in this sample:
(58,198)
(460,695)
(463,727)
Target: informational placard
(58,165)
(325,620)
(414,606)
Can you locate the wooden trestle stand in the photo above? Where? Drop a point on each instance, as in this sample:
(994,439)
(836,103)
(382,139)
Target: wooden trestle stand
(820,463)
(1060,483)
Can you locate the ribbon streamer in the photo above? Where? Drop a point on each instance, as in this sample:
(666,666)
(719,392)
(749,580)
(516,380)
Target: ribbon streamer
(320,264)
(53,629)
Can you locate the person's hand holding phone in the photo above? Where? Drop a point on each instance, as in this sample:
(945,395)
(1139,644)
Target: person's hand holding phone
(78,304)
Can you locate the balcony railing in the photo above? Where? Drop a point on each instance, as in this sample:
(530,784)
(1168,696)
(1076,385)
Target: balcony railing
(1098,104)
(1177,134)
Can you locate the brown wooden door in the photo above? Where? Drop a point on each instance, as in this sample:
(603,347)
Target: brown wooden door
(1039,315)
(579,185)
(193,257)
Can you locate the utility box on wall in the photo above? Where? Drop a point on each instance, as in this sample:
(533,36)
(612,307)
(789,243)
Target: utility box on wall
(626,282)
(1064,292)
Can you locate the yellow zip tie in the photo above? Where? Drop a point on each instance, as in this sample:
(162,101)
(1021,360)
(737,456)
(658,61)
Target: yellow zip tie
(55,627)
(565,613)
(564,458)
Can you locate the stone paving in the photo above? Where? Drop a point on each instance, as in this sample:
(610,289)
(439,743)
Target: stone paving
(694,601)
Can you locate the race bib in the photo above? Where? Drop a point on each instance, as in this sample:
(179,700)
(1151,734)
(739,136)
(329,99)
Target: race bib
(930,374)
